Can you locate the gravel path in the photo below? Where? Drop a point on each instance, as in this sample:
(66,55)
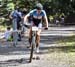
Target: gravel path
(50,56)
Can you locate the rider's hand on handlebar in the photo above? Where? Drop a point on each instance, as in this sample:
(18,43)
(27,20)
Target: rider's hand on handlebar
(46,28)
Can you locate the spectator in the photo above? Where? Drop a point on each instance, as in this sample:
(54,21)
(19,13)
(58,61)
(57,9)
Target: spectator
(62,19)
(16,17)
(8,34)
(24,12)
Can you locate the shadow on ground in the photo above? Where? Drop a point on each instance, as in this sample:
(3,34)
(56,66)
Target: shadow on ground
(64,49)
(45,40)
(15,62)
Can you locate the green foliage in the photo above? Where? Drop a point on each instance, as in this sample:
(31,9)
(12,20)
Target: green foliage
(10,6)
(2,19)
(51,6)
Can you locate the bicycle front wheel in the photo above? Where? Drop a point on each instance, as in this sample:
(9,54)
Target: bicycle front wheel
(32,48)
(31,53)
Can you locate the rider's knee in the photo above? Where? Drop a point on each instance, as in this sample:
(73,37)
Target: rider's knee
(38,34)
(30,33)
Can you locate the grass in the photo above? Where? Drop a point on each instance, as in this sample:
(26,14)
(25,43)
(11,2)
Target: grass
(62,55)
(67,41)
(65,52)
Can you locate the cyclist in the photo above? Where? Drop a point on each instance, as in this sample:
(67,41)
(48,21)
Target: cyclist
(37,16)
(16,17)
(16,14)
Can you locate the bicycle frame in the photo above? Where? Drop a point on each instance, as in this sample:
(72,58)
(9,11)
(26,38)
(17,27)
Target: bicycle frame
(15,33)
(34,30)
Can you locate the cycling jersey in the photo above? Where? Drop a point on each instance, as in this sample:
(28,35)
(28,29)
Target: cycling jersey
(16,14)
(35,17)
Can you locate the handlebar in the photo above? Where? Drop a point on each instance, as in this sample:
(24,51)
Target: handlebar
(45,28)
(28,26)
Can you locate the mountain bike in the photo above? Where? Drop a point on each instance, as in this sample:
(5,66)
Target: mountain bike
(33,44)
(34,30)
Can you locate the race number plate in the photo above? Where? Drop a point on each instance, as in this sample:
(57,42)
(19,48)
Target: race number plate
(34,28)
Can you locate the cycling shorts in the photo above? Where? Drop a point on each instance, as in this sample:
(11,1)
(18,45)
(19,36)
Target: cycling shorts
(39,25)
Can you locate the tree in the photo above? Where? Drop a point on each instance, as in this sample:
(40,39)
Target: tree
(51,6)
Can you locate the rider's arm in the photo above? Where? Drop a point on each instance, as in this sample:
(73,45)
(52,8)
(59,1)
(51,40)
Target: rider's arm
(26,18)
(10,16)
(28,15)
(45,19)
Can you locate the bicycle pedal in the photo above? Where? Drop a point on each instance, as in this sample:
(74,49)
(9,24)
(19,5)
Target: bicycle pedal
(37,58)
(14,44)
(34,58)
(20,61)
(29,47)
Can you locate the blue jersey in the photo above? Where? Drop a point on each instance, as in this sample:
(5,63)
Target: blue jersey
(16,15)
(37,17)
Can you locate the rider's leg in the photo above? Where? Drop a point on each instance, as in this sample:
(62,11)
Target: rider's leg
(30,37)
(38,38)
(38,35)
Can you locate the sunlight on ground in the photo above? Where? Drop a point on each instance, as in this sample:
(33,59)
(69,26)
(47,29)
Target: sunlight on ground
(62,57)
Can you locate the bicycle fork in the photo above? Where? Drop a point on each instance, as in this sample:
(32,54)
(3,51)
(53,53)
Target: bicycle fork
(34,39)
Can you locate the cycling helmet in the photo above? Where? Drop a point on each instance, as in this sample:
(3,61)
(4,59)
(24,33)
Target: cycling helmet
(39,6)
